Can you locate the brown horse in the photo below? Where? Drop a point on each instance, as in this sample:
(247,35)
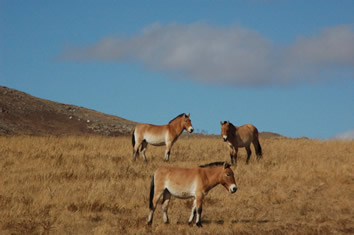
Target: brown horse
(145,134)
(186,183)
(241,136)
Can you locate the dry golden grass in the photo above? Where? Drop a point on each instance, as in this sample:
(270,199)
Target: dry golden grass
(88,185)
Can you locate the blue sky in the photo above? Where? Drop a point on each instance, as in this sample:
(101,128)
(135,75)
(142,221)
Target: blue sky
(284,66)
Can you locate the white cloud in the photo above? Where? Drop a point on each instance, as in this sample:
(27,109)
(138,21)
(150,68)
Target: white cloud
(348,135)
(332,49)
(233,55)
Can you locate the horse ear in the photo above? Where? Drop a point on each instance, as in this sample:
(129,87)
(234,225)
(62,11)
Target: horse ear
(228,122)
(226,165)
(221,123)
(187,115)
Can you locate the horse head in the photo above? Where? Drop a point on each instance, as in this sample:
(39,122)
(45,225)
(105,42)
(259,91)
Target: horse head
(226,127)
(227,178)
(187,123)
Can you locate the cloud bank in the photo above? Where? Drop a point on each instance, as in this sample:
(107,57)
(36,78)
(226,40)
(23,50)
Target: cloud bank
(233,55)
(348,135)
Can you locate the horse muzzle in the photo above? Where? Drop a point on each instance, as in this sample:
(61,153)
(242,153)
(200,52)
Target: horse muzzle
(225,138)
(233,189)
(190,129)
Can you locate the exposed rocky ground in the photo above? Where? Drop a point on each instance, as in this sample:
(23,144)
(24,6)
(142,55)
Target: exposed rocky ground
(23,114)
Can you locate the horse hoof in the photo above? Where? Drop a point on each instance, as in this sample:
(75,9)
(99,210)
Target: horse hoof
(199,224)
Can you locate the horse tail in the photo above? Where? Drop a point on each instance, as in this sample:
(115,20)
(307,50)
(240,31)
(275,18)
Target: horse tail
(259,149)
(133,138)
(257,145)
(152,189)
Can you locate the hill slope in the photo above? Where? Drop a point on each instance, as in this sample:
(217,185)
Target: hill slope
(23,114)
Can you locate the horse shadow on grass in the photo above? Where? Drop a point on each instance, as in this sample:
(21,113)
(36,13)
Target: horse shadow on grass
(261,221)
(237,221)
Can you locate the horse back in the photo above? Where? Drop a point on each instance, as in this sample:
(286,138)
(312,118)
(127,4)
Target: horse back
(245,134)
(176,174)
(150,128)
(149,131)
(251,129)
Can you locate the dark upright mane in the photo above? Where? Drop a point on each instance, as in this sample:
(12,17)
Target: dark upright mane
(232,128)
(213,164)
(176,117)
(229,123)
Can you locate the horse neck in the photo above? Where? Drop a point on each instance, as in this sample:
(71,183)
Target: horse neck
(177,126)
(211,175)
(233,130)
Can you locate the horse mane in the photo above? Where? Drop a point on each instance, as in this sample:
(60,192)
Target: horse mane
(214,164)
(176,117)
(230,124)
(232,128)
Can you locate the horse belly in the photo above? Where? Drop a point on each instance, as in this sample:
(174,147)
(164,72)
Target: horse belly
(241,144)
(155,140)
(243,141)
(181,191)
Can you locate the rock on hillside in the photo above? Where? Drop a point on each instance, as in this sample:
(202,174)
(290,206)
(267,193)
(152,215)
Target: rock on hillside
(23,114)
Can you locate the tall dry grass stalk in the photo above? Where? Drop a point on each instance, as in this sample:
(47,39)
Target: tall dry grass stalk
(88,185)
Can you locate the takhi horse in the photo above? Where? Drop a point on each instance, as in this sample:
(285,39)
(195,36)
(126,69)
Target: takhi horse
(184,183)
(241,136)
(145,134)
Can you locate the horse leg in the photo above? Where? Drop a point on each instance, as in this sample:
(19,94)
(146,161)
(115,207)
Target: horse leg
(199,203)
(135,151)
(138,143)
(249,152)
(165,200)
(156,198)
(233,155)
(190,221)
(168,151)
(143,149)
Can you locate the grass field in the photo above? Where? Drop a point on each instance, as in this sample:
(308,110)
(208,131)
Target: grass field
(89,185)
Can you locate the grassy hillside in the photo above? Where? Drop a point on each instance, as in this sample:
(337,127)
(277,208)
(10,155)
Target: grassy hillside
(88,185)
